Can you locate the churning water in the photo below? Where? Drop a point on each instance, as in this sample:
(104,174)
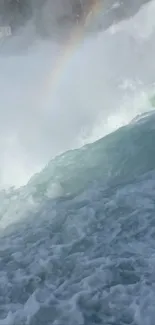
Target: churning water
(77,242)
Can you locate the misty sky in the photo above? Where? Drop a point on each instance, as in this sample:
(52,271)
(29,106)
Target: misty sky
(42,115)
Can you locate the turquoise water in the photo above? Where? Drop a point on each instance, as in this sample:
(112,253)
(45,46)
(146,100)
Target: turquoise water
(77,242)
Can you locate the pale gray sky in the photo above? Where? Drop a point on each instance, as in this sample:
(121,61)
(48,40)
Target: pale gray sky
(42,114)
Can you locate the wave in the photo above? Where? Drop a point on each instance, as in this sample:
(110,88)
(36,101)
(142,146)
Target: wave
(81,256)
(117,159)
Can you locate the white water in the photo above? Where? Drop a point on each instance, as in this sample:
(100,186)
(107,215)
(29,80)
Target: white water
(87,258)
(104,84)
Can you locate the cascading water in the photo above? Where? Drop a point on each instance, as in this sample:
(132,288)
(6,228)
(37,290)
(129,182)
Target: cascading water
(77,236)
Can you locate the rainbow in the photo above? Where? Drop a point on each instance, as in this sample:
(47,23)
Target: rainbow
(69,48)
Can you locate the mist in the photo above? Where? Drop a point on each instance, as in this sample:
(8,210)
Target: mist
(103,84)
